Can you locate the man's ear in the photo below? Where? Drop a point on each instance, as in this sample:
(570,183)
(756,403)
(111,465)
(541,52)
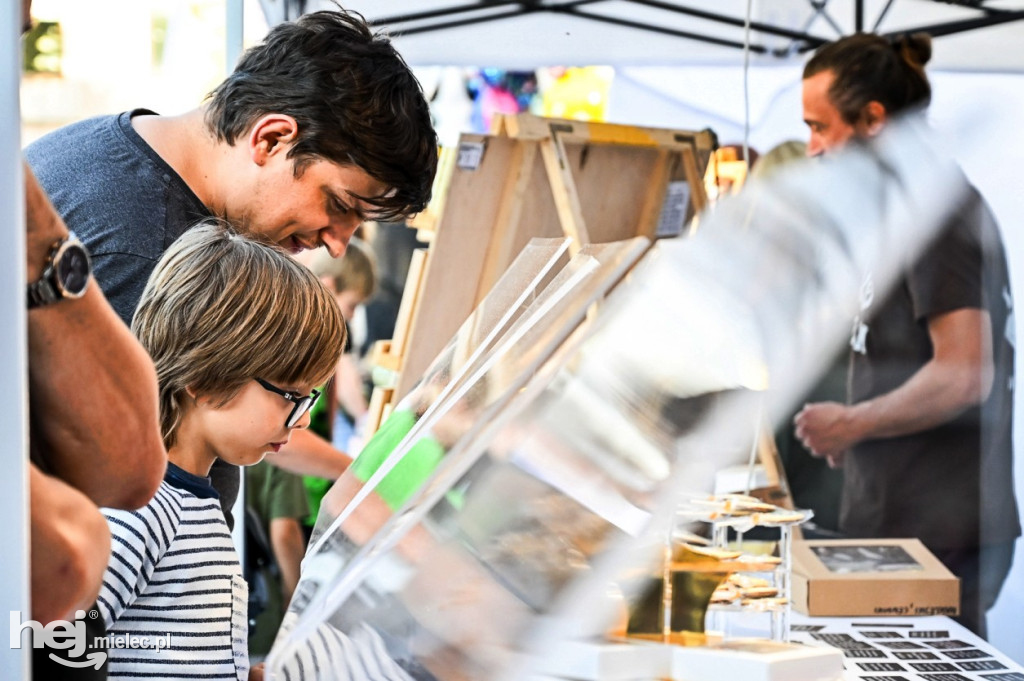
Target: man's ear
(271,134)
(873,118)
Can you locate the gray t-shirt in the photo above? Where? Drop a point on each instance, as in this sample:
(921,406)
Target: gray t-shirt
(128,206)
(121,199)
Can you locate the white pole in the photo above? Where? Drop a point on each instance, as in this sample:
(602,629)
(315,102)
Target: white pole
(233,41)
(14,580)
(234,35)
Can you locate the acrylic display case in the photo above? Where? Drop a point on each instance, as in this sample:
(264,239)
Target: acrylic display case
(566,446)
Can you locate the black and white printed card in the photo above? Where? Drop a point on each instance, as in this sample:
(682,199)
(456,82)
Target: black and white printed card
(916,655)
(965,654)
(900,645)
(934,667)
(948,644)
(863,652)
(881,667)
(844,641)
(981,665)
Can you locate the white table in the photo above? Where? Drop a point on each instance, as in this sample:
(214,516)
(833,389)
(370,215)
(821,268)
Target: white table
(874,649)
(906,649)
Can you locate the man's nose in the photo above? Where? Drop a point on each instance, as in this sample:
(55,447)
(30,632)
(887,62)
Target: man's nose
(815,147)
(336,237)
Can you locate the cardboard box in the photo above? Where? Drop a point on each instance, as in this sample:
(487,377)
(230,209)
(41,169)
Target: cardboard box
(871,577)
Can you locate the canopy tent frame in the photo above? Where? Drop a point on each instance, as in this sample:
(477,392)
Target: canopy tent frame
(485,11)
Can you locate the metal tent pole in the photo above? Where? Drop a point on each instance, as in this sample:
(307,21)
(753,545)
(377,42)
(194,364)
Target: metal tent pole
(233,43)
(14,570)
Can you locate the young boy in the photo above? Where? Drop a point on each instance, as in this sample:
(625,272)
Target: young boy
(240,335)
(352,278)
(339,417)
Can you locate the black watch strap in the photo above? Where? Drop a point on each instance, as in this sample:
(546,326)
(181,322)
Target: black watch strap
(41,293)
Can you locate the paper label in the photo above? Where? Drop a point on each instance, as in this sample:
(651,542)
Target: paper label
(470,155)
(673,209)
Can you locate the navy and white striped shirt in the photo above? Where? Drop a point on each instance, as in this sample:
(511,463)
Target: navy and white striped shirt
(174,572)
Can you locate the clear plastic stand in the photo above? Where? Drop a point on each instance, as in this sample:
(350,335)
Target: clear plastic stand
(777,608)
(562,484)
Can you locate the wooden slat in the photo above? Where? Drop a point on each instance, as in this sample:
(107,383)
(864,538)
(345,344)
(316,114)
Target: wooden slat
(381,356)
(647,223)
(563,189)
(426,221)
(410,302)
(528,126)
(698,195)
(536,216)
(379,398)
(503,248)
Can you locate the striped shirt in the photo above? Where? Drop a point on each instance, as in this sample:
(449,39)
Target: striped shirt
(174,577)
(331,655)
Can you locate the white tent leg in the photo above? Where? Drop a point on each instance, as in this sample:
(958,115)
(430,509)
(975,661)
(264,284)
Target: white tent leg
(14,579)
(233,42)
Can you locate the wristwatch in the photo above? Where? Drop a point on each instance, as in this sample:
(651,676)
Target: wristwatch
(66,274)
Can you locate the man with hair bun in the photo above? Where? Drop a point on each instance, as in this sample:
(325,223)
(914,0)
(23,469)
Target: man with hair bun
(926,436)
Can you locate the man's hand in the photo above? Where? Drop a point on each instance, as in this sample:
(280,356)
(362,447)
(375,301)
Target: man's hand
(958,376)
(827,430)
(835,460)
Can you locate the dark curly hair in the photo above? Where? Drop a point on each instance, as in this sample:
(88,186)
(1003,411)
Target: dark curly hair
(869,68)
(354,98)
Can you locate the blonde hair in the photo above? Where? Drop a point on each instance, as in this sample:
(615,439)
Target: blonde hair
(356,270)
(780,155)
(221,309)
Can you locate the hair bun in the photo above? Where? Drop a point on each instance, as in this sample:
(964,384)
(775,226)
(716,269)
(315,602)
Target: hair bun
(916,48)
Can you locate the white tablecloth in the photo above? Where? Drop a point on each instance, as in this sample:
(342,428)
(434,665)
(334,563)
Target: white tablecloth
(906,649)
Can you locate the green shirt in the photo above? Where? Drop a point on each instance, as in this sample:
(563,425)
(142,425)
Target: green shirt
(274,493)
(411,472)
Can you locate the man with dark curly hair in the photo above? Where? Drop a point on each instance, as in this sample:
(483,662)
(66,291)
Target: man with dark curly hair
(319,127)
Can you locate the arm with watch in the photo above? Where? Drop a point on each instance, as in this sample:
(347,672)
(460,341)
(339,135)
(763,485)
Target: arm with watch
(94,417)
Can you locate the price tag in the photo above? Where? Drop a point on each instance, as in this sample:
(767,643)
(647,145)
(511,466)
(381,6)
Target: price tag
(673,209)
(470,155)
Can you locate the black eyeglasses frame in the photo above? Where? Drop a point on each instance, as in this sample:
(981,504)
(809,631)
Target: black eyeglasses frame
(302,403)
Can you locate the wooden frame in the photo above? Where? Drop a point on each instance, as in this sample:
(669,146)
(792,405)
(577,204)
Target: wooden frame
(538,177)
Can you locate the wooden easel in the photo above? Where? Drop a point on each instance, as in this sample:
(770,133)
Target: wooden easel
(536,177)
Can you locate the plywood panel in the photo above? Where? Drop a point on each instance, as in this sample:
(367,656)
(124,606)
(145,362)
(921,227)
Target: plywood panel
(535,216)
(613,182)
(458,253)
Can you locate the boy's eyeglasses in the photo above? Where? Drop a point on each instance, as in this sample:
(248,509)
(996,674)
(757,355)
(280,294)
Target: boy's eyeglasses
(303,403)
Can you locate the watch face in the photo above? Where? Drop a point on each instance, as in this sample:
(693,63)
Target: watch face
(73,270)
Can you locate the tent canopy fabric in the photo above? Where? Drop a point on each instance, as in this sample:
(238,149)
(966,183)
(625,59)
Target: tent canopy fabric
(970,35)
